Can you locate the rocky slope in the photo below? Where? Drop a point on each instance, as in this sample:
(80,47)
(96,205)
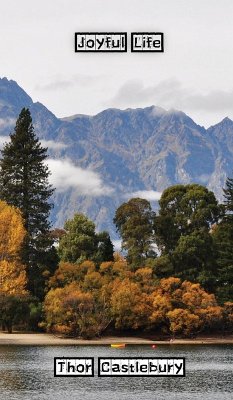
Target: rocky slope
(131,150)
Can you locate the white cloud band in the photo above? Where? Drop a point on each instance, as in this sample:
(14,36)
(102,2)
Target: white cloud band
(64,175)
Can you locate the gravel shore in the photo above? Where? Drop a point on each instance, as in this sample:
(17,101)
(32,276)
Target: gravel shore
(37,339)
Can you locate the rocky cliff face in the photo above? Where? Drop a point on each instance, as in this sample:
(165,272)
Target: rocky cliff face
(131,150)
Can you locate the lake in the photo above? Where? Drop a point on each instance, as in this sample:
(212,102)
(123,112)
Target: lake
(27,373)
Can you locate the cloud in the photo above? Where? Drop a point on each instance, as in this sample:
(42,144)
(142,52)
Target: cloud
(7,123)
(172,93)
(45,143)
(150,195)
(204,178)
(3,140)
(55,85)
(65,84)
(64,175)
(51,144)
(117,245)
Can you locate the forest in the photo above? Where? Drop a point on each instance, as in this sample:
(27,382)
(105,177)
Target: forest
(173,277)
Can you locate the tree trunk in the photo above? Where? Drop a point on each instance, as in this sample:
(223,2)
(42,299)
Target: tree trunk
(9,327)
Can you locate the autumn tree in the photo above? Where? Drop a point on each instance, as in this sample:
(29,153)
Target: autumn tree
(72,311)
(67,273)
(134,221)
(81,242)
(84,299)
(12,234)
(24,184)
(13,294)
(130,307)
(184,308)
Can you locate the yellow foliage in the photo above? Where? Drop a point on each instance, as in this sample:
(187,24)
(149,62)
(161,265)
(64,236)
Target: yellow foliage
(68,272)
(130,306)
(210,315)
(183,321)
(132,299)
(69,310)
(144,274)
(228,314)
(120,267)
(12,277)
(92,281)
(161,305)
(87,266)
(12,233)
(118,256)
(106,267)
(184,307)
(168,285)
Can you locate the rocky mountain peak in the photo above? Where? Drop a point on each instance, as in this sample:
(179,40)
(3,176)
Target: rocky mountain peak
(142,149)
(12,95)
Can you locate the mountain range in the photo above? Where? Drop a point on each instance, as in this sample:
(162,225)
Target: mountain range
(100,161)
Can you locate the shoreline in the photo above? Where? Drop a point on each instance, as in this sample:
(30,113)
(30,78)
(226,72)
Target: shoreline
(46,339)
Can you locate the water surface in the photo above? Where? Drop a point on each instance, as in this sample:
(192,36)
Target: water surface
(26,373)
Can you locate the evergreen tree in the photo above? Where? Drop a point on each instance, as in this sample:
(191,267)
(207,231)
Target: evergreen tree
(24,184)
(185,209)
(223,240)
(134,221)
(223,237)
(80,242)
(228,194)
(105,248)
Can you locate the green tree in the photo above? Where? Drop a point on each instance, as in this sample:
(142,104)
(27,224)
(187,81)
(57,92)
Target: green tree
(81,242)
(228,195)
(105,248)
(223,239)
(194,259)
(14,309)
(24,184)
(134,221)
(183,210)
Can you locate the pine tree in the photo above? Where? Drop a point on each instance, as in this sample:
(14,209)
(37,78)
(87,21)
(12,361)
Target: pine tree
(24,184)
(228,194)
(223,236)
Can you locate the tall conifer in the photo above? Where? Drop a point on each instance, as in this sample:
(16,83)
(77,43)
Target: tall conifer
(223,237)
(228,194)
(24,184)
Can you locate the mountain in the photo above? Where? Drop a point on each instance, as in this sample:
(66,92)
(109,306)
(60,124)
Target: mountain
(128,150)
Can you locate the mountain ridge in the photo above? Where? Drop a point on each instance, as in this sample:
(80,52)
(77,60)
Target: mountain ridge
(129,150)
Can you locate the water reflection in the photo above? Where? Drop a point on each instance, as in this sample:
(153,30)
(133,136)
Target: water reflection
(26,372)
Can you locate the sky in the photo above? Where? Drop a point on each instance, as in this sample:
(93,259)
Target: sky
(194,74)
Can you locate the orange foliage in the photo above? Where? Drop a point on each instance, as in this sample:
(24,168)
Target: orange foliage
(12,233)
(132,300)
(71,311)
(68,272)
(129,305)
(228,315)
(183,321)
(12,278)
(184,306)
